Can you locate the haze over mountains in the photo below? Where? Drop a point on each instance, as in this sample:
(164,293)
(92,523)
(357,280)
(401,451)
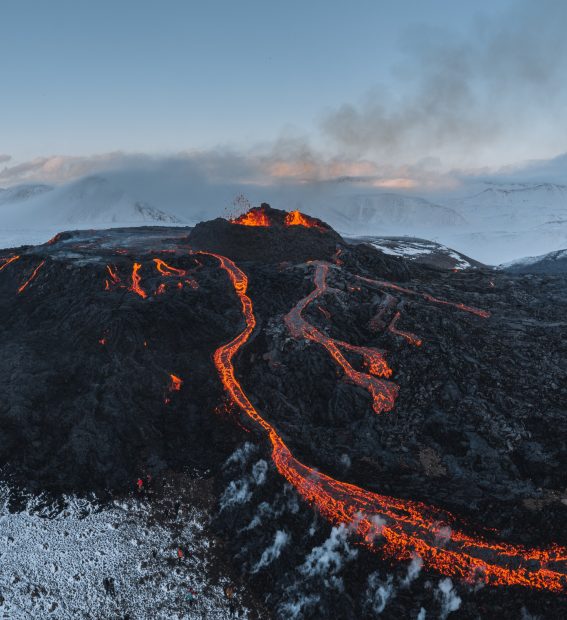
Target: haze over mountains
(498,224)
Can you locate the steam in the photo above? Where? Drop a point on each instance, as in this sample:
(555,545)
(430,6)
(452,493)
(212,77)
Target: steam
(283,502)
(414,568)
(460,99)
(379,592)
(240,491)
(450,600)
(272,552)
(327,560)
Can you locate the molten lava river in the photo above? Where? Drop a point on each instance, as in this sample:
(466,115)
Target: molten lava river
(400,529)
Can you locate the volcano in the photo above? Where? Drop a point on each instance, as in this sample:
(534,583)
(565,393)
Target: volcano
(369,425)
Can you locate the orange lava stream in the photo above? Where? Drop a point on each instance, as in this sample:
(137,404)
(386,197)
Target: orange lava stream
(296,218)
(31,278)
(7,261)
(406,527)
(407,336)
(383,393)
(135,286)
(168,270)
(380,283)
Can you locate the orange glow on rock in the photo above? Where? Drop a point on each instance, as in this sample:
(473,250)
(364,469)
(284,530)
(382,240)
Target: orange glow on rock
(296,218)
(176,383)
(254,217)
(31,278)
(397,528)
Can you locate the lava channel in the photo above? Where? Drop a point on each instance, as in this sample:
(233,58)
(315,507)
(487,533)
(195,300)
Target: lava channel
(4,262)
(383,393)
(31,278)
(398,528)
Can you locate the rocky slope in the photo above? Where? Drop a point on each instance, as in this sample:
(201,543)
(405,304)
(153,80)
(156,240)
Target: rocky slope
(439,397)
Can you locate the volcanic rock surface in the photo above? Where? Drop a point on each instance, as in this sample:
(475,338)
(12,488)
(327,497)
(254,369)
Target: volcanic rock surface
(109,374)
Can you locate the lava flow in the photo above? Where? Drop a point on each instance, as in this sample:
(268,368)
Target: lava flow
(381,284)
(136,279)
(168,270)
(383,393)
(6,261)
(407,336)
(406,527)
(31,278)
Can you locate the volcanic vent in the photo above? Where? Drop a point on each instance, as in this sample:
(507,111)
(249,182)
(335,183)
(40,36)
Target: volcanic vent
(267,235)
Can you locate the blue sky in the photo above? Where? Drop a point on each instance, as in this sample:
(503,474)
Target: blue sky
(358,80)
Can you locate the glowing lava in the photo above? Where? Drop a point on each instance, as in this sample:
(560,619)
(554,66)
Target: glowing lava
(381,284)
(383,393)
(407,336)
(296,218)
(398,528)
(4,262)
(168,270)
(31,278)
(176,383)
(113,279)
(254,217)
(136,279)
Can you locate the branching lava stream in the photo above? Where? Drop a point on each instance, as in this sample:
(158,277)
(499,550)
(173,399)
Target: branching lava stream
(398,528)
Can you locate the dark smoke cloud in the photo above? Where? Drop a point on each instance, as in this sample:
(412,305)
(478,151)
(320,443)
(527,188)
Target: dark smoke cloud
(466,100)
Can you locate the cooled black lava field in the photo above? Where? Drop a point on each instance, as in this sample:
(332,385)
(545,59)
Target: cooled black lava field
(378,437)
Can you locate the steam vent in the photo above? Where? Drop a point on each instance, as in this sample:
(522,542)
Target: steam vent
(269,235)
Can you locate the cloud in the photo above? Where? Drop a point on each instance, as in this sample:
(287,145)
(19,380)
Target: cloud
(468,100)
(4,158)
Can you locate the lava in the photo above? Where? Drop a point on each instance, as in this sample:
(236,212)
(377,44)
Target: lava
(176,383)
(383,393)
(168,270)
(7,261)
(31,278)
(136,279)
(407,336)
(398,528)
(296,218)
(114,278)
(381,284)
(254,217)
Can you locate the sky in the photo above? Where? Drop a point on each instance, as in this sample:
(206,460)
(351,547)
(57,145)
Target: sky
(404,92)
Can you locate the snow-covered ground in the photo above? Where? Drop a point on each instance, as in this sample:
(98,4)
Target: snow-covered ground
(79,559)
(421,251)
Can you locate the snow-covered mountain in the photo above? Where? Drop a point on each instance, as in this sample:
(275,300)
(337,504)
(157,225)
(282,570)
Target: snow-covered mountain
(553,262)
(33,213)
(420,251)
(388,213)
(517,206)
(21,193)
